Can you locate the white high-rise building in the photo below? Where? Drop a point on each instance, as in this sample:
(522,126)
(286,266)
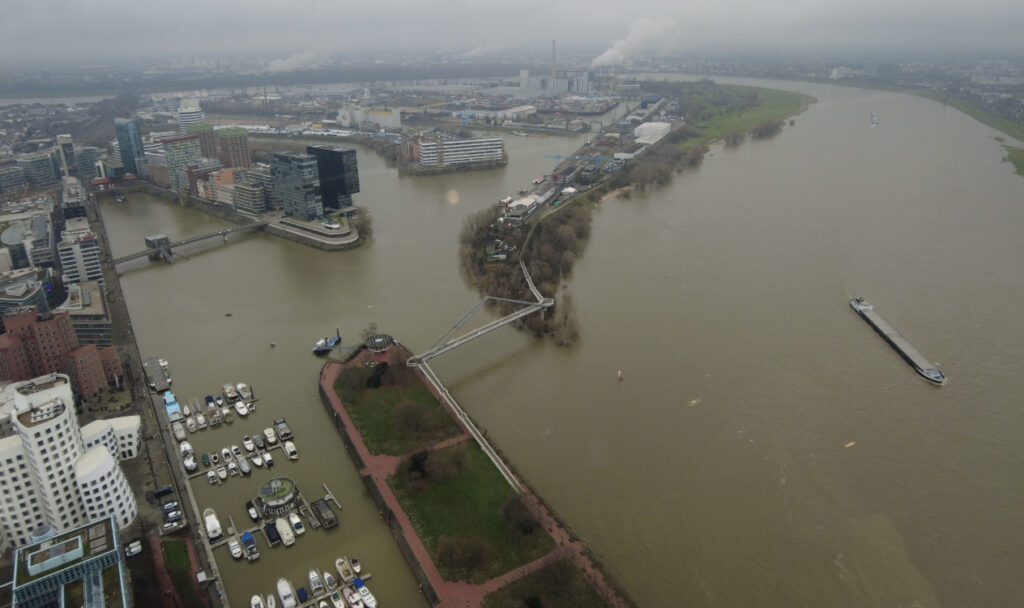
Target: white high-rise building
(79,256)
(189,114)
(53,472)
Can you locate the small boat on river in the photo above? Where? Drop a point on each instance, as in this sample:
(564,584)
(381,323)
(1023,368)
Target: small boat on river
(244,392)
(356,566)
(222,473)
(286,592)
(235,548)
(179,431)
(291,450)
(190,424)
(211,477)
(368,600)
(268,460)
(330,581)
(256,602)
(243,465)
(257,460)
(247,443)
(225,454)
(241,408)
(270,435)
(316,585)
(251,509)
(252,553)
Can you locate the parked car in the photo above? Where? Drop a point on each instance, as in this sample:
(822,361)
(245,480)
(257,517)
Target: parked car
(133,548)
(167,527)
(173,516)
(170,506)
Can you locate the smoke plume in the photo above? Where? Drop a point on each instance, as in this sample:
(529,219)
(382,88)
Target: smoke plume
(645,35)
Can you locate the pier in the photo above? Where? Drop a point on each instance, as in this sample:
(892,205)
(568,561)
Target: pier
(919,362)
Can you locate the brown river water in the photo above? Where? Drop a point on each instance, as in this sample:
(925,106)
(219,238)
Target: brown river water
(716,472)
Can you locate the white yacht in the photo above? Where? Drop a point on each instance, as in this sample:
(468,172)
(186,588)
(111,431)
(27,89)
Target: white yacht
(213,529)
(285,530)
(286,592)
(291,450)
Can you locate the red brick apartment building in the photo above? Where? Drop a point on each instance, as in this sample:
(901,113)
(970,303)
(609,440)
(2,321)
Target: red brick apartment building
(33,346)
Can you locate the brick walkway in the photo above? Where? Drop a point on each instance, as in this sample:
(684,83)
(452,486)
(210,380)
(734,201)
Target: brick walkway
(457,594)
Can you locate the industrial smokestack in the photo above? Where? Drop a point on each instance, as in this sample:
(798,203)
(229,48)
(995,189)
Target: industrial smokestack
(553,62)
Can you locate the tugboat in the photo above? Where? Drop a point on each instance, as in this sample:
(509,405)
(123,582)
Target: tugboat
(327,343)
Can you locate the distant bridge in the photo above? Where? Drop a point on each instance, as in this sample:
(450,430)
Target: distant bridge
(447,341)
(158,245)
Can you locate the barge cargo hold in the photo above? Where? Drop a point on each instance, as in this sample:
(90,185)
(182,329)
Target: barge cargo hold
(928,370)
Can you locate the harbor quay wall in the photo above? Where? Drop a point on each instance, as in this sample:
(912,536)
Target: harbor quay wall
(225,212)
(378,498)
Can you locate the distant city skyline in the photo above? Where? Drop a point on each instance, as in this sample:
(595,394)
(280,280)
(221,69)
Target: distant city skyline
(36,35)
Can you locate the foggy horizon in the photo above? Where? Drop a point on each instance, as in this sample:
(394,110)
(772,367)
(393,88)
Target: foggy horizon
(40,37)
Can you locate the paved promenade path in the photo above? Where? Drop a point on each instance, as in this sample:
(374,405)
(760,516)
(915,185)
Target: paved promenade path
(457,594)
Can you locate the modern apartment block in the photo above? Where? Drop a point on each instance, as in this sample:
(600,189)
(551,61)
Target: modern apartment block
(207,138)
(249,196)
(87,309)
(66,155)
(233,147)
(54,472)
(12,178)
(180,152)
(129,144)
(339,174)
(38,168)
(296,185)
(79,256)
(85,163)
(441,152)
(72,198)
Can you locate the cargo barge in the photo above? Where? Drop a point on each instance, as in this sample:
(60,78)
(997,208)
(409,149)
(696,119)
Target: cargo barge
(928,370)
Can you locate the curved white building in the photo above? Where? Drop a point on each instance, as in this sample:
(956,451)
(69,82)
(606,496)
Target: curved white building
(103,488)
(189,114)
(47,471)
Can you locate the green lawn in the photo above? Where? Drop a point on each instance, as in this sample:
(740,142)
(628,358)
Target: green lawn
(372,410)
(1009,127)
(1016,156)
(469,505)
(179,566)
(775,105)
(559,584)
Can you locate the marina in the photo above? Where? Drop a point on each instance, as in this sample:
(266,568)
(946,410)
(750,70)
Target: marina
(928,370)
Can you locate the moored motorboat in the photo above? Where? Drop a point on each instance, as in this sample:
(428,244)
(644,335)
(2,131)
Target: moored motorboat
(286,592)
(368,600)
(190,424)
(206,459)
(285,531)
(251,509)
(185,447)
(268,460)
(232,469)
(211,476)
(214,458)
(230,393)
(222,473)
(257,439)
(252,553)
(329,581)
(257,460)
(225,454)
(218,400)
(336,600)
(243,465)
(244,392)
(291,450)
(353,598)
(241,408)
(271,531)
(213,529)
(356,566)
(236,451)
(327,343)
(271,602)
(235,548)
(344,569)
(201,421)
(186,410)
(256,602)
(296,523)
(191,466)
(210,401)
(179,431)
(247,443)
(270,435)
(316,585)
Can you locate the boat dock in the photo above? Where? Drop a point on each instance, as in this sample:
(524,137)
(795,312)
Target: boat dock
(919,362)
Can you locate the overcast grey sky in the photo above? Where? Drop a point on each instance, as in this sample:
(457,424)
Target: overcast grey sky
(59,31)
